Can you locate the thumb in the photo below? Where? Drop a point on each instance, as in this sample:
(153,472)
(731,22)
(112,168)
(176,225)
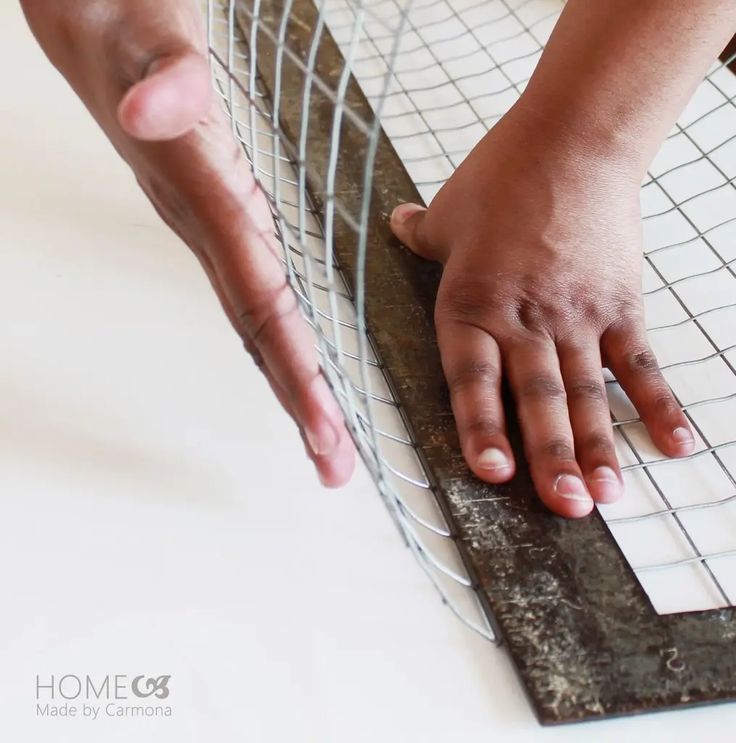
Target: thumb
(407,223)
(173,95)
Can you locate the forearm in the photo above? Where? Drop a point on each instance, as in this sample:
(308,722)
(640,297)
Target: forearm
(616,73)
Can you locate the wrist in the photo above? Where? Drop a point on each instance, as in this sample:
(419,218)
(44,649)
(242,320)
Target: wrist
(581,140)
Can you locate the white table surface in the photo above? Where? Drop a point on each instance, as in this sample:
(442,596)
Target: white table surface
(158,515)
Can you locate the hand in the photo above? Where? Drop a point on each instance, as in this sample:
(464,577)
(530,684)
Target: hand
(141,68)
(542,251)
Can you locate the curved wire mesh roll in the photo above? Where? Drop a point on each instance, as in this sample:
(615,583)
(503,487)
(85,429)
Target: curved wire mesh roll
(437,75)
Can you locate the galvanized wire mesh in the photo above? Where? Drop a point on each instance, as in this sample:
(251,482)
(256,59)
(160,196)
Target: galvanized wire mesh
(438,74)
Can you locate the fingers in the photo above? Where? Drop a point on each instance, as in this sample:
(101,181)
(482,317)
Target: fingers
(334,464)
(629,357)
(562,408)
(580,365)
(142,70)
(536,381)
(334,467)
(296,381)
(268,316)
(472,365)
(174,94)
(229,225)
(274,325)
(407,223)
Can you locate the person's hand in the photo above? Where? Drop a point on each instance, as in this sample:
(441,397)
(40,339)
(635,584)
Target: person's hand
(542,251)
(141,69)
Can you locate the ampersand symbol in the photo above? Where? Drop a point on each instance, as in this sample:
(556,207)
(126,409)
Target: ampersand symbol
(154,686)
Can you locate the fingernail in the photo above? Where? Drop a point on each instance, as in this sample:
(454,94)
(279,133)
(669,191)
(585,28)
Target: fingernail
(492,459)
(403,211)
(682,437)
(608,486)
(323,441)
(571,488)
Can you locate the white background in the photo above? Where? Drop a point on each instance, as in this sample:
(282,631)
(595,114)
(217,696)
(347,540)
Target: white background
(158,515)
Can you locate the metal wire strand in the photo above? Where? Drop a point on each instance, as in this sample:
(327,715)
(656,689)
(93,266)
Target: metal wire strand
(438,75)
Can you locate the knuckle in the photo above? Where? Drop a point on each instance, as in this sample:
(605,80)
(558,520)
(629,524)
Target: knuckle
(264,312)
(481,425)
(544,307)
(541,387)
(664,403)
(559,449)
(642,361)
(597,443)
(471,374)
(463,299)
(628,314)
(532,315)
(587,390)
(461,307)
(255,355)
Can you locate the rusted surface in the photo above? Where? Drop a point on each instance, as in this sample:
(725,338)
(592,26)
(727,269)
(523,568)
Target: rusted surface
(729,52)
(582,634)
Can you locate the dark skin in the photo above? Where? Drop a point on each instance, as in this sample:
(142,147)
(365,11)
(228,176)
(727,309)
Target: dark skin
(538,230)
(142,71)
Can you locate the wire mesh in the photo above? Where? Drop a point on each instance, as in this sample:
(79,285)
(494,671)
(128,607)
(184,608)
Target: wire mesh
(438,74)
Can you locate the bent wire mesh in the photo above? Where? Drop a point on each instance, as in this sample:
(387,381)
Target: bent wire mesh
(345,109)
